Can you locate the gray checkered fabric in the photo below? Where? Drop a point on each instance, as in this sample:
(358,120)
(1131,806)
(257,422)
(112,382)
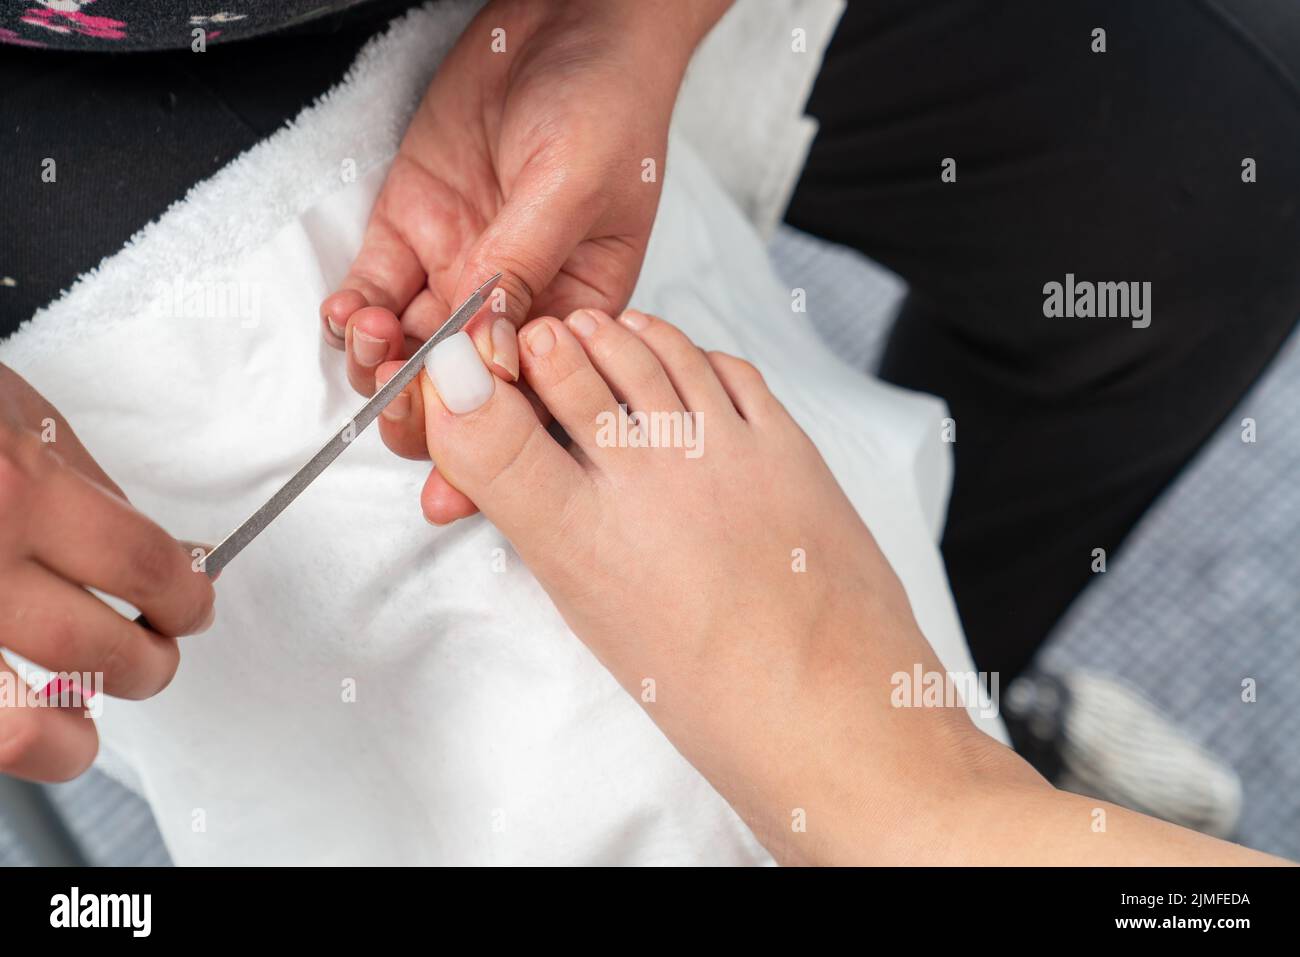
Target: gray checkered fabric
(1204,595)
(110,824)
(92,820)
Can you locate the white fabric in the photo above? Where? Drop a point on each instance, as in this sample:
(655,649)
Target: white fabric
(482,731)
(742,101)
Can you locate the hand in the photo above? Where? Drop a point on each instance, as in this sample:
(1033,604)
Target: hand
(64,528)
(527,161)
(677,566)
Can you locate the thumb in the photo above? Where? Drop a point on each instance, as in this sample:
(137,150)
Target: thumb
(528,242)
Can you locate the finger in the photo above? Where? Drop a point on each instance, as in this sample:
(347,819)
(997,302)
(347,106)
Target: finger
(549,213)
(56,435)
(632,371)
(374,336)
(92,538)
(401,423)
(428,312)
(45,744)
(599,274)
(63,627)
(745,385)
(683,361)
(499,456)
(559,371)
(386,272)
(425,314)
(335,312)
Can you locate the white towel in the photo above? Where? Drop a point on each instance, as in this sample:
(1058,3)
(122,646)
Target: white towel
(376,690)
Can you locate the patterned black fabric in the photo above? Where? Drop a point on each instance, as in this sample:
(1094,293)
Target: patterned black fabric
(150,24)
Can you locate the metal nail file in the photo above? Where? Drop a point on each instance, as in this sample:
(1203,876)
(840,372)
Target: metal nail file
(236,541)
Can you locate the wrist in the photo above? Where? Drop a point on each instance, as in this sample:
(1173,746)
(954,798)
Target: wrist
(668,30)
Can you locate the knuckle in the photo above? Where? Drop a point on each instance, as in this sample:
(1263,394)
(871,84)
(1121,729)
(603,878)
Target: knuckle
(20,737)
(515,462)
(646,374)
(154,565)
(610,347)
(521,279)
(567,373)
(114,662)
(170,661)
(59,640)
(14,486)
(24,461)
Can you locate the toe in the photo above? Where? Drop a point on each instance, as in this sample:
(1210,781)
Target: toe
(633,372)
(559,371)
(683,362)
(745,386)
(498,455)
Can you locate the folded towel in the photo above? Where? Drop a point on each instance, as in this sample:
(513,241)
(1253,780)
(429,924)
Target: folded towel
(376,690)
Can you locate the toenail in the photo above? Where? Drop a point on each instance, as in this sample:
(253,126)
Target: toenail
(399,408)
(583,323)
(636,321)
(505,347)
(462,380)
(368,350)
(541,339)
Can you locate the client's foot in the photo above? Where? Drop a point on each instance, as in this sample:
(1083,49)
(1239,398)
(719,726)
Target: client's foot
(702,549)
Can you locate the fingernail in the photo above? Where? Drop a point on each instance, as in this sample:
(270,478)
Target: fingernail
(368,350)
(399,408)
(505,347)
(334,326)
(582,323)
(541,339)
(636,321)
(462,380)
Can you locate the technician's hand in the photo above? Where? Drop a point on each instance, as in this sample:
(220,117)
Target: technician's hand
(65,527)
(538,151)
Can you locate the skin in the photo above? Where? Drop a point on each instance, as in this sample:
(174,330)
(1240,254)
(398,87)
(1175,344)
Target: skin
(526,161)
(775,685)
(64,527)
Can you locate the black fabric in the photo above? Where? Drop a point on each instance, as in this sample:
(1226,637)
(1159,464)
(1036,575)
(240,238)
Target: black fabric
(150,24)
(130,134)
(1116,166)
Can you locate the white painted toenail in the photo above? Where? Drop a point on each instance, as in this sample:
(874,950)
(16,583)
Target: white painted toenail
(460,377)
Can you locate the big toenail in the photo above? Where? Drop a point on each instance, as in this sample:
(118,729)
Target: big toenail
(541,339)
(462,380)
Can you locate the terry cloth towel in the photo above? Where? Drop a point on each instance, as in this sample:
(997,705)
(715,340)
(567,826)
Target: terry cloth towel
(376,690)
